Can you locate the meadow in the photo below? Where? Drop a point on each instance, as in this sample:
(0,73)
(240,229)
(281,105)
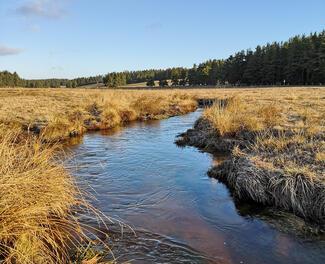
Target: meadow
(269,133)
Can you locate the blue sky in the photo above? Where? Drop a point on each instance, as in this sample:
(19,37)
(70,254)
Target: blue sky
(71,38)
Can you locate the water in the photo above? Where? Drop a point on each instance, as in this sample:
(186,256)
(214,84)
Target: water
(179,214)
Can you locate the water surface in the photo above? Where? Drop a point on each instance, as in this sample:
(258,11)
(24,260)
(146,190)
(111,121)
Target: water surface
(180,215)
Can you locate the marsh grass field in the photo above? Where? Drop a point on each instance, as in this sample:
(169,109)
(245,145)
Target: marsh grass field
(275,141)
(274,136)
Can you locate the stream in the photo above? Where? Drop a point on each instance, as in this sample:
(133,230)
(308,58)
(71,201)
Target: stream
(179,214)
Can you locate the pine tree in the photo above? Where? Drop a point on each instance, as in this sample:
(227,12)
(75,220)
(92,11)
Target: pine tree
(151,83)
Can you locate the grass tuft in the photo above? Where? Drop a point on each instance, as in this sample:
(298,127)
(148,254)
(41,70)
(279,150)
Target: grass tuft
(38,199)
(233,117)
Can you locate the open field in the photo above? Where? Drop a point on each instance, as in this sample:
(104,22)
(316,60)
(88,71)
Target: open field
(278,130)
(72,110)
(142,85)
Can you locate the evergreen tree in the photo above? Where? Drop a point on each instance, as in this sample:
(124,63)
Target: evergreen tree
(151,83)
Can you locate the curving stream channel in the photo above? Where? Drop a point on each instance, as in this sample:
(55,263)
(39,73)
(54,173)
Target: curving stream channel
(179,214)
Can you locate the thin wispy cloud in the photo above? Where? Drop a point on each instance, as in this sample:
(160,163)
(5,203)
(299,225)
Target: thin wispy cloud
(41,8)
(6,51)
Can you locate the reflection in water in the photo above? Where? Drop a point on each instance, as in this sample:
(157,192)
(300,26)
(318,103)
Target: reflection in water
(147,247)
(179,214)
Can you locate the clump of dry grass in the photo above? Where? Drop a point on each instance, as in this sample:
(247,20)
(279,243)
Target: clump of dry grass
(279,170)
(320,156)
(270,115)
(38,201)
(236,116)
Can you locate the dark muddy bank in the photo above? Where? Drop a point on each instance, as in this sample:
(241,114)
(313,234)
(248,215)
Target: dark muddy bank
(250,176)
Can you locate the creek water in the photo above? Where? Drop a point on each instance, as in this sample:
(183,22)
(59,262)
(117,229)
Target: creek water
(180,215)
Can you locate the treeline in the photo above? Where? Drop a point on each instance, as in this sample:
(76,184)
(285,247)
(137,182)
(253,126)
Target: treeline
(84,81)
(298,61)
(8,79)
(116,79)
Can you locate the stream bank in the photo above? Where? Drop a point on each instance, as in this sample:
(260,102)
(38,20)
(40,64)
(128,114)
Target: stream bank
(252,173)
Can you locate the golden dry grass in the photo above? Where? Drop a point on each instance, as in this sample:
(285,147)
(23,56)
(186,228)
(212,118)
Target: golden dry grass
(289,125)
(65,111)
(232,118)
(37,203)
(288,107)
(320,156)
(57,114)
(283,168)
(38,197)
